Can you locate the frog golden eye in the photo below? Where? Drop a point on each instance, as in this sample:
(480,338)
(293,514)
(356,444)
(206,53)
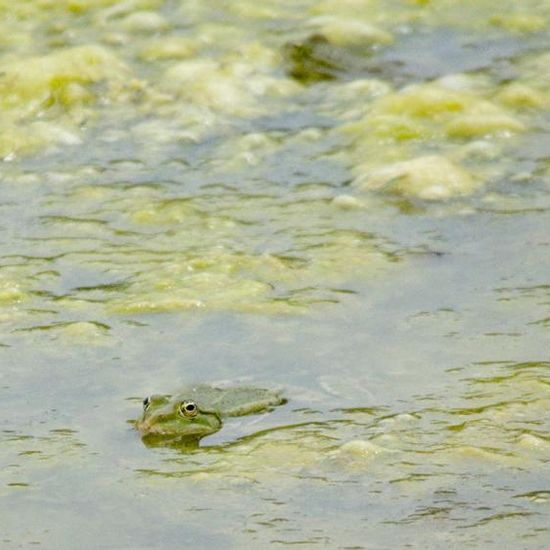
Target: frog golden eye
(188,409)
(146,403)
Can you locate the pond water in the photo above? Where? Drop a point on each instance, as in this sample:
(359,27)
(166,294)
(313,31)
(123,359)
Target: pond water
(346,200)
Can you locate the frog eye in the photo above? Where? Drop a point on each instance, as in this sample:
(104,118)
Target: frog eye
(146,403)
(188,409)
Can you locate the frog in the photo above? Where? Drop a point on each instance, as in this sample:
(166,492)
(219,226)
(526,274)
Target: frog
(194,412)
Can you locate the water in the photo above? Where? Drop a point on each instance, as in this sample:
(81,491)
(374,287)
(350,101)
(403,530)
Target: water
(160,228)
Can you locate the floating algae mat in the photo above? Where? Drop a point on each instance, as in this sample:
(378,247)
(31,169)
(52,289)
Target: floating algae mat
(171,178)
(346,200)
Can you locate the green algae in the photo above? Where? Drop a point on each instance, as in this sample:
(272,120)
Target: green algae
(437,140)
(193,178)
(49,96)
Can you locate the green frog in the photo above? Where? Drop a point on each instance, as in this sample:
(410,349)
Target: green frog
(197,411)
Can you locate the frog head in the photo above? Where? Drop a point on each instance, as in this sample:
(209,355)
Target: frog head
(175,420)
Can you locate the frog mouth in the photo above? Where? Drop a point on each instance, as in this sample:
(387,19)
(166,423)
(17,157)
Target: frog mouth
(193,430)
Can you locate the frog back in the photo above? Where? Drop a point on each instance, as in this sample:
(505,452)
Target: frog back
(237,401)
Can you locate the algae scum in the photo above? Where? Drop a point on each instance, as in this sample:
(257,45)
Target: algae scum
(346,199)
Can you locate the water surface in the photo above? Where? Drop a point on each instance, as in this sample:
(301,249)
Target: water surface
(219,193)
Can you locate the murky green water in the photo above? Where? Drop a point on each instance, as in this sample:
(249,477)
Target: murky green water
(349,200)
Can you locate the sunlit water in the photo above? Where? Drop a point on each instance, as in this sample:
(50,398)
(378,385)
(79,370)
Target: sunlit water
(200,197)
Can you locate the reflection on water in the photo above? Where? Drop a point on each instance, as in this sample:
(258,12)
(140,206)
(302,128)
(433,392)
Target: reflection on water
(345,199)
(26,457)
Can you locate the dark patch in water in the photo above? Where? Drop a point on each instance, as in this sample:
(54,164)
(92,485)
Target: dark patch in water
(421,55)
